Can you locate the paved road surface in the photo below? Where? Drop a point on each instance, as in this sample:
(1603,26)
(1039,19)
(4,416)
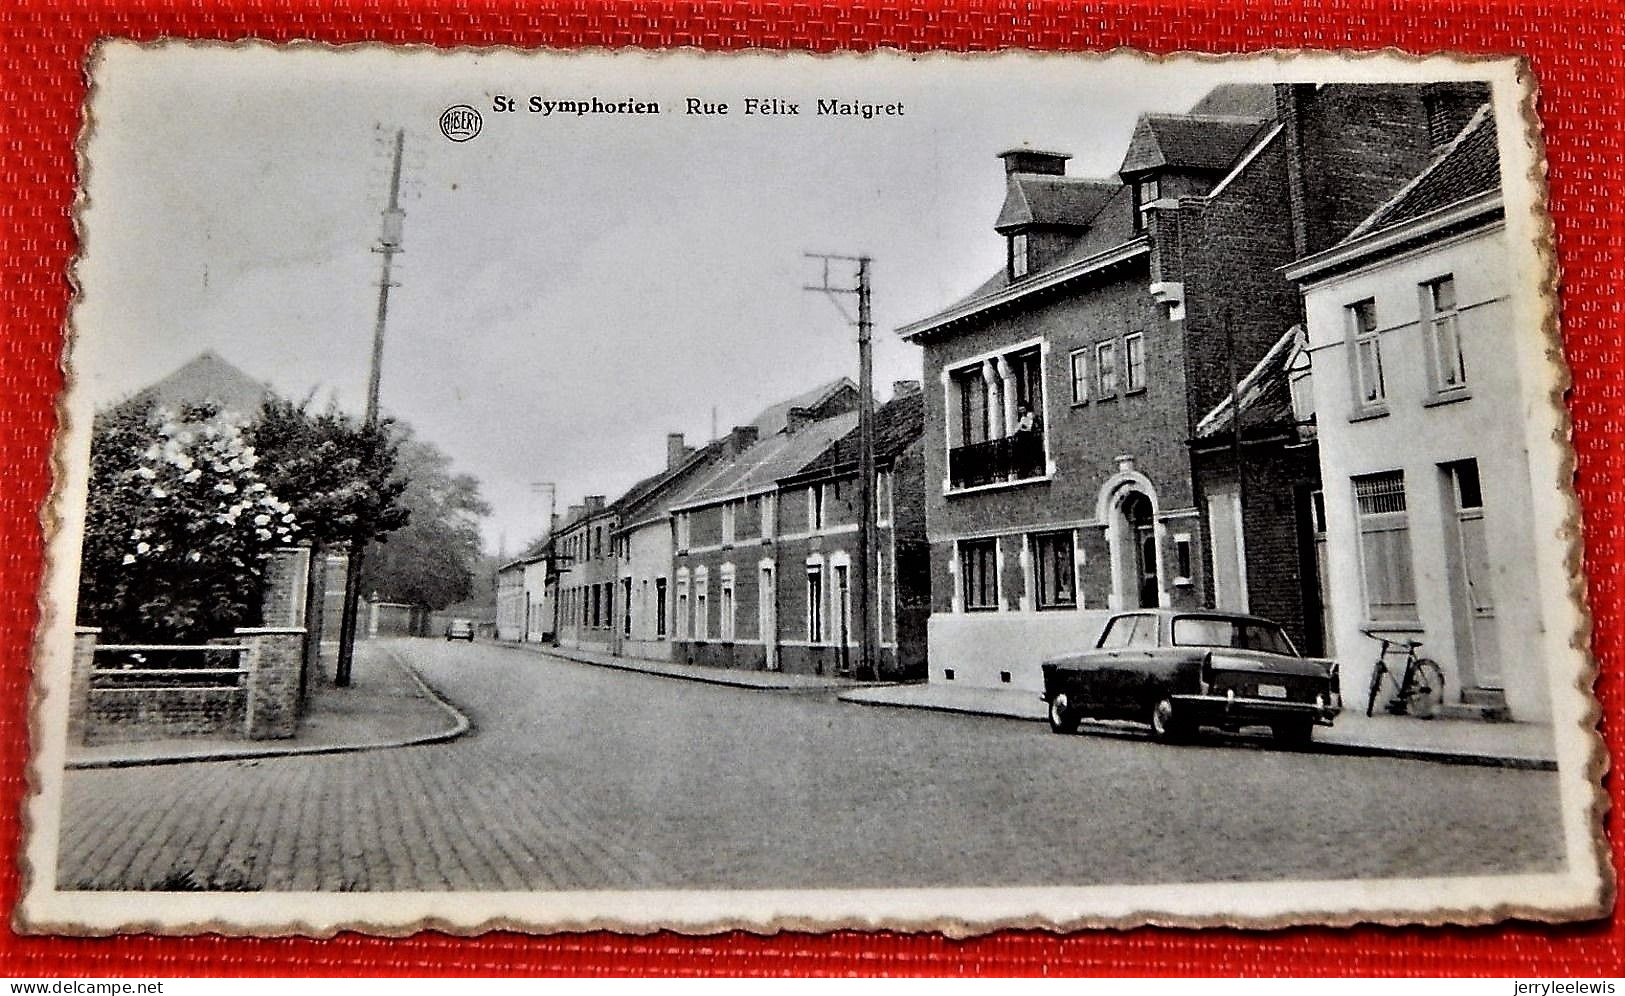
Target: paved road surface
(578,777)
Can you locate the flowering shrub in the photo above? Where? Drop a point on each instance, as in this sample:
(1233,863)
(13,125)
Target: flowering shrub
(178,523)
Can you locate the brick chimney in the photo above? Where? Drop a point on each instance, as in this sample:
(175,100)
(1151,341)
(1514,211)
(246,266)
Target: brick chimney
(742,438)
(676,452)
(1034,161)
(904,388)
(595,503)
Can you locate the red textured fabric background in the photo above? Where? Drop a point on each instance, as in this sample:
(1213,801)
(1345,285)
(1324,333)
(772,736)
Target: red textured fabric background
(1577,51)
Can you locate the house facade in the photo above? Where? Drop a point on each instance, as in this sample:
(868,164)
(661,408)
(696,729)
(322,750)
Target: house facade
(1427,482)
(644,548)
(1066,391)
(585,583)
(766,550)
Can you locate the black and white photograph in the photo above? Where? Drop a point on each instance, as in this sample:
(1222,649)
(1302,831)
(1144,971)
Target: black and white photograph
(633,490)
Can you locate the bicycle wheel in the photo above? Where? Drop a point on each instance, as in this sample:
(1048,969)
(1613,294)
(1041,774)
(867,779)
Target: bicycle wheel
(1376,686)
(1425,693)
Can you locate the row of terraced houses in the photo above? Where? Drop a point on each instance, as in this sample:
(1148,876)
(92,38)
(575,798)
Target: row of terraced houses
(1266,366)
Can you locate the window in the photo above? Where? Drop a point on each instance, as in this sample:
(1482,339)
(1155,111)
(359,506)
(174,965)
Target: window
(1105,369)
(1303,397)
(768,509)
(1182,558)
(1000,429)
(1147,191)
(1134,362)
(815,508)
(727,523)
(682,530)
(978,573)
(1018,256)
(598,543)
(1053,573)
(1369,391)
(702,613)
(815,603)
(1446,372)
(725,604)
(626,606)
(1204,631)
(1080,376)
(1385,547)
(684,628)
(1129,631)
(660,608)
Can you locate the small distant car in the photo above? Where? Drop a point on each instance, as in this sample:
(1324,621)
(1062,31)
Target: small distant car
(1179,670)
(460,629)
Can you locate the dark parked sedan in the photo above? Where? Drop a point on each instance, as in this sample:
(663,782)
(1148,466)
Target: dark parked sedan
(1180,670)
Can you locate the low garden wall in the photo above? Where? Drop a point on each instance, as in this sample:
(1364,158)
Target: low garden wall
(247,687)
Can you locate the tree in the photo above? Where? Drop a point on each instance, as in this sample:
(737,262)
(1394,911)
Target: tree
(339,475)
(431,560)
(177,525)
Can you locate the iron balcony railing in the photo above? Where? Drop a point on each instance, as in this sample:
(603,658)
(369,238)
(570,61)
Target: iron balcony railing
(997,461)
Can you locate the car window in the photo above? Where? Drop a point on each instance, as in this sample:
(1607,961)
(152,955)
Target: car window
(1240,634)
(1145,632)
(1118,632)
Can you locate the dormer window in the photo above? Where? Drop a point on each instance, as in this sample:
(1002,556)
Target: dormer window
(1147,191)
(1018,256)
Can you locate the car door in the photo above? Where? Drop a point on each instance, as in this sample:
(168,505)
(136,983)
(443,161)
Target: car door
(1119,672)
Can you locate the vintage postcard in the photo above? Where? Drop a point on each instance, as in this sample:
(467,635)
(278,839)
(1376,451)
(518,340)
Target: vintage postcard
(689,491)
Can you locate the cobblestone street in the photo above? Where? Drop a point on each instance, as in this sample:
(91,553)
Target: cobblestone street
(577,777)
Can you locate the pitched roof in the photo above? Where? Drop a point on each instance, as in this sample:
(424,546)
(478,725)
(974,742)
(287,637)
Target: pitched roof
(898,423)
(670,481)
(775,418)
(1037,199)
(1240,99)
(1265,394)
(1110,227)
(207,378)
(780,455)
(1188,141)
(1468,166)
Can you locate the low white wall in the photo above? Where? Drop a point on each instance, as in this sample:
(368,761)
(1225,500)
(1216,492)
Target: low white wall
(976,647)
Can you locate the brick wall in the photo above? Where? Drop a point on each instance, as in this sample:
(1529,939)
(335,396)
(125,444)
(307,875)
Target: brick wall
(130,715)
(1280,571)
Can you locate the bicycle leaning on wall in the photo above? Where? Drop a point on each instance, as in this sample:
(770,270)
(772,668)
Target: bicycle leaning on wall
(1419,689)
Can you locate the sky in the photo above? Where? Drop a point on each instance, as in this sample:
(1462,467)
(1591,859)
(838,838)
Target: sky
(572,287)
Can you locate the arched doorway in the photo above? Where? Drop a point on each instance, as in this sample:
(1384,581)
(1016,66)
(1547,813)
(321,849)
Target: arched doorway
(1140,585)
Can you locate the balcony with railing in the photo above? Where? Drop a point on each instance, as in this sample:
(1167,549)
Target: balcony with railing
(1006,460)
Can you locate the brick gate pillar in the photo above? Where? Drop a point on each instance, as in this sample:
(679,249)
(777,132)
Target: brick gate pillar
(84,662)
(282,601)
(273,658)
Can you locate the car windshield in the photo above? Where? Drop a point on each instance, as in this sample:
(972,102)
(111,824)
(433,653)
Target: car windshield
(1239,634)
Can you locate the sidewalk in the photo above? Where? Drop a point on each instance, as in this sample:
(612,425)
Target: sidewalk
(776,681)
(387,705)
(1504,745)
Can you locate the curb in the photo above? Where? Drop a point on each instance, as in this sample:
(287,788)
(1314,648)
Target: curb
(461,724)
(721,678)
(1326,747)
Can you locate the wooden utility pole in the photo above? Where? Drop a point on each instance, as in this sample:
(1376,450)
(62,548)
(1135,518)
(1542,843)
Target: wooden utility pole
(867,580)
(389,243)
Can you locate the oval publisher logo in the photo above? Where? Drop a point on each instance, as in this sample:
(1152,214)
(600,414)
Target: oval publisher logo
(460,122)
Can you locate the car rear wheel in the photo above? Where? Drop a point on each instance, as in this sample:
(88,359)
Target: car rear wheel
(1167,724)
(1062,717)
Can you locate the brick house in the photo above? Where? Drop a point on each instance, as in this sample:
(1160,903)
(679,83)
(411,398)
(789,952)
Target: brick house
(765,549)
(1283,560)
(586,576)
(1066,390)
